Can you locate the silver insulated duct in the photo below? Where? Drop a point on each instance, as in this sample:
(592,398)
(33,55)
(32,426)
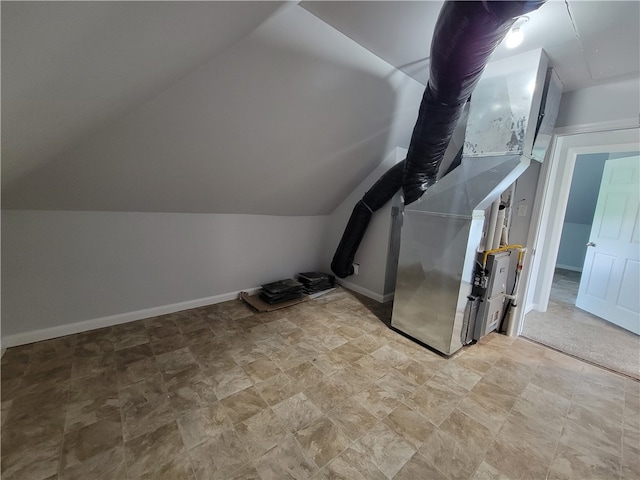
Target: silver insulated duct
(511,116)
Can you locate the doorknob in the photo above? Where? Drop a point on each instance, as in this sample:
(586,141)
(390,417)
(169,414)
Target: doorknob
(591,244)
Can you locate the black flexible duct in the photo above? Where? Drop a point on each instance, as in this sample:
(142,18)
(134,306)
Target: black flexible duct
(466,34)
(381,192)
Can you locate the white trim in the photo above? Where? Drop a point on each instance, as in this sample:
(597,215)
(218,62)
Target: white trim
(92,324)
(622,124)
(571,268)
(531,261)
(559,186)
(365,291)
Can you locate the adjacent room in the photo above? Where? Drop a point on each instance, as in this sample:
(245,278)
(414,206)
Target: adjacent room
(571,322)
(404,168)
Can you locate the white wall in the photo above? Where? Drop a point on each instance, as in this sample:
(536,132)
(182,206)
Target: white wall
(373,251)
(65,272)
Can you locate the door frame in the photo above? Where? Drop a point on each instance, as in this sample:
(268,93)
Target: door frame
(552,195)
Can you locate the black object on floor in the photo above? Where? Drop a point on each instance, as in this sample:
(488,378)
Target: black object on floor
(281,291)
(315,282)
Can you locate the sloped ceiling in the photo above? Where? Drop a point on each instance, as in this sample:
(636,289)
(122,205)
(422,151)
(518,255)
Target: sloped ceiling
(588,42)
(398,32)
(240,107)
(71,68)
(285,121)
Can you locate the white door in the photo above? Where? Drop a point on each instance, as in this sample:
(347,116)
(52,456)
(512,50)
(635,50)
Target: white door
(610,283)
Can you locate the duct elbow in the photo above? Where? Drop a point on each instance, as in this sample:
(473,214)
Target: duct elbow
(342,271)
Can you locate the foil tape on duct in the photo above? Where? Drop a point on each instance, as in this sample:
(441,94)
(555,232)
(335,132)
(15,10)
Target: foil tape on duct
(466,34)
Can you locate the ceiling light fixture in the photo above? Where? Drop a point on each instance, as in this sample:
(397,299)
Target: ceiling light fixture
(515,35)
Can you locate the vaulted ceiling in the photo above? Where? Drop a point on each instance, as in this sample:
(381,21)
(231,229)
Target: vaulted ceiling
(108,108)
(238,107)
(71,68)
(588,42)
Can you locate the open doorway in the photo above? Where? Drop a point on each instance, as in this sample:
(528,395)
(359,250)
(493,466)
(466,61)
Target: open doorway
(569,196)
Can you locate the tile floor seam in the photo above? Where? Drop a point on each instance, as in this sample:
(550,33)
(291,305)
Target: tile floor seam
(353,442)
(499,431)
(64,431)
(124,448)
(304,451)
(622,436)
(186,452)
(564,421)
(269,407)
(343,451)
(438,469)
(248,464)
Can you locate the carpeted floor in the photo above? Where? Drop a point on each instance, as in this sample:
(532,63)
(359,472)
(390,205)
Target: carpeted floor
(572,330)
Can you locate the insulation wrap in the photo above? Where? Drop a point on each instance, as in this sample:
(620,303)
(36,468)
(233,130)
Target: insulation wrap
(380,193)
(466,34)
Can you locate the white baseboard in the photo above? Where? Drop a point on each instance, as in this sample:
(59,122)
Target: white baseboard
(387,297)
(92,324)
(365,291)
(569,267)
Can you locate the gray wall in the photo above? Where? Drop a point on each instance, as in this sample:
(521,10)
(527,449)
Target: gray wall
(581,206)
(605,104)
(72,271)
(611,102)
(585,183)
(375,277)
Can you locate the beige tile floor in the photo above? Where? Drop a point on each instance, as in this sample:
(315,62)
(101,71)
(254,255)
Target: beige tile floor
(321,390)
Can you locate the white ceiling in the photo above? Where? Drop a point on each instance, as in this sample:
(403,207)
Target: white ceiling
(71,68)
(588,42)
(285,121)
(239,107)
